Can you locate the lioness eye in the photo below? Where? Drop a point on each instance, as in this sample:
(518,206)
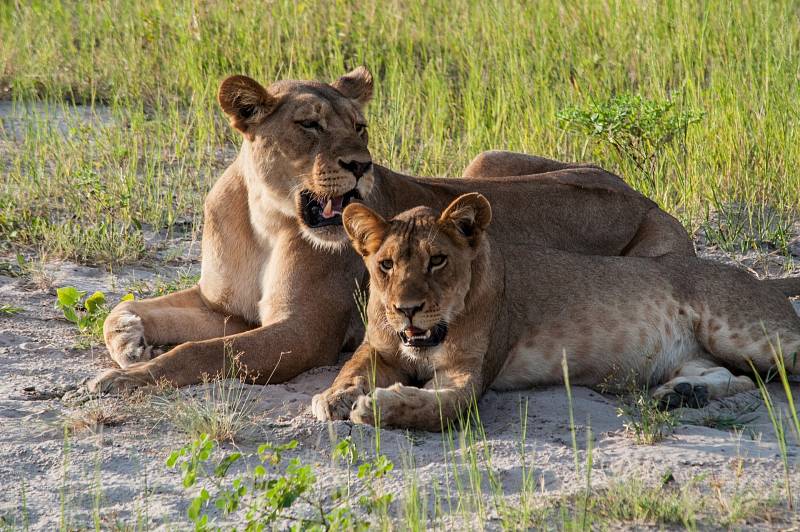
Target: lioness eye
(361,128)
(436,262)
(310,124)
(386,265)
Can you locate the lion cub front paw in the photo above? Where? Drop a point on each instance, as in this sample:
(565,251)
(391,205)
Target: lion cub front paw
(124,334)
(336,403)
(364,411)
(384,406)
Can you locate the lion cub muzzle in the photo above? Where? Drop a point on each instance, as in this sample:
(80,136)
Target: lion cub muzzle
(422,339)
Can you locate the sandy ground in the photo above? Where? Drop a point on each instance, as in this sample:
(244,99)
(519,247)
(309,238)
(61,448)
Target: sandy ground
(50,478)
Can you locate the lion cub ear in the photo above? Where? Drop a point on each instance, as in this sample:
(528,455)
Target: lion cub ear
(356,85)
(365,228)
(245,102)
(471,214)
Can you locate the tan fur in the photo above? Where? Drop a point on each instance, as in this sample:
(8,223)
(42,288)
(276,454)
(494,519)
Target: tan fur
(282,292)
(512,310)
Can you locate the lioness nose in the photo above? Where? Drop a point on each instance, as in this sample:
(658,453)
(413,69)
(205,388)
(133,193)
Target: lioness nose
(357,168)
(410,311)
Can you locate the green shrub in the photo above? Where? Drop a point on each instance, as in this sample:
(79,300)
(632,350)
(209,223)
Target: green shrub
(637,128)
(277,490)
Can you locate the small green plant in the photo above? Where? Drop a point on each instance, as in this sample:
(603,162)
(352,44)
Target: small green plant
(10,310)
(275,490)
(637,128)
(644,420)
(17,268)
(87,313)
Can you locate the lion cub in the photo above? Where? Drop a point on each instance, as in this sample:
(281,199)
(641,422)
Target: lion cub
(449,317)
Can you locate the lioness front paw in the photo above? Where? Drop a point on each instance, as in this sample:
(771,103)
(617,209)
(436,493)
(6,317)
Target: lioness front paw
(335,403)
(116,381)
(124,335)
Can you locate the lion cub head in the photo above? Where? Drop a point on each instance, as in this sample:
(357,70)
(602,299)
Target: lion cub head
(305,147)
(420,265)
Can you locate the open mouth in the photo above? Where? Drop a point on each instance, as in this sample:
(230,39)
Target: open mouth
(319,212)
(413,337)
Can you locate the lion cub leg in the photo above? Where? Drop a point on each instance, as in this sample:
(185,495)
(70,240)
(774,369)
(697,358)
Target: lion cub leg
(697,382)
(742,321)
(429,408)
(365,371)
(133,328)
(739,322)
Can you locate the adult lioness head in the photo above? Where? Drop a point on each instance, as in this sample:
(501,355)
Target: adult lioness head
(305,147)
(420,264)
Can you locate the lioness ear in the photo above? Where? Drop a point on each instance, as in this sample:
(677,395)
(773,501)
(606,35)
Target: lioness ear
(356,85)
(245,102)
(365,228)
(471,214)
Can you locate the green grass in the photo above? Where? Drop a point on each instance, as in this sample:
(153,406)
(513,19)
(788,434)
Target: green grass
(453,78)
(9,310)
(644,420)
(164,285)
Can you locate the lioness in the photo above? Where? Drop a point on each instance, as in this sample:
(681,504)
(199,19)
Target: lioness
(277,278)
(452,311)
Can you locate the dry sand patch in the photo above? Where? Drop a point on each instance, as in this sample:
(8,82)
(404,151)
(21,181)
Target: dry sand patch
(122,464)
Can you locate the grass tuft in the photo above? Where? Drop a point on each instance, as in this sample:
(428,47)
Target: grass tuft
(224,409)
(645,422)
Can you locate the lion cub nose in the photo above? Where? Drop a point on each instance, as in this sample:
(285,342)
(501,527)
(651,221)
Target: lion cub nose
(409,312)
(357,168)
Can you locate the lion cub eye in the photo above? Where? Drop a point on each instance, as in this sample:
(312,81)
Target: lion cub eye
(361,128)
(436,262)
(309,124)
(386,265)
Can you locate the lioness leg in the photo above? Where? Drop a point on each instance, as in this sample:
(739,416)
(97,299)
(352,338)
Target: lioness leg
(292,339)
(134,327)
(429,408)
(262,355)
(697,382)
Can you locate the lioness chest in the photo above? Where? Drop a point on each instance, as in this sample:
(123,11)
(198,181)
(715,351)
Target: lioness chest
(234,256)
